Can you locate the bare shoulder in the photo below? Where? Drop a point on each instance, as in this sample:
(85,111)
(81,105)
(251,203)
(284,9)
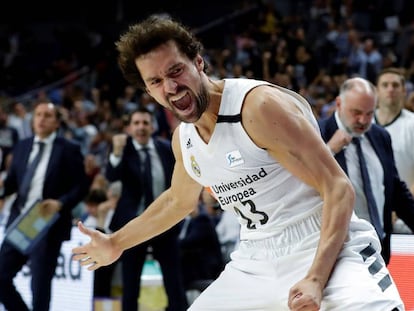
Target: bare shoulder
(281,122)
(271,110)
(175,143)
(275,98)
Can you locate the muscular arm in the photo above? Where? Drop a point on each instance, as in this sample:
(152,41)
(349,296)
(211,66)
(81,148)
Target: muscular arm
(167,210)
(276,124)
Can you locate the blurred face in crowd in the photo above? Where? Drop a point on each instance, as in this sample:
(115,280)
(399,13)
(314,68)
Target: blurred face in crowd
(174,81)
(356,110)
(45,119)
(141,127)
(19,109)
(3,118)
(391,91)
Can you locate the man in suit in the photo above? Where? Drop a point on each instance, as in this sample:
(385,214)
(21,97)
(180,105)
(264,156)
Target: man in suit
(355,107)
(60,183)
(127,164)
(202,260)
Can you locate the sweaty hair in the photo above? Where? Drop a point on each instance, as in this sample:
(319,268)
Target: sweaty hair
(146,36)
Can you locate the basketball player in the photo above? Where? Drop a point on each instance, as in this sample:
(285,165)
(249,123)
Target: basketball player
(258,147)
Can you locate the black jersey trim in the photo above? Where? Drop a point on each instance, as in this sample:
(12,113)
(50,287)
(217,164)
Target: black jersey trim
(229,119)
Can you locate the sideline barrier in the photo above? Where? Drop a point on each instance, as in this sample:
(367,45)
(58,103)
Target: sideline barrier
(72,284)
(401,267)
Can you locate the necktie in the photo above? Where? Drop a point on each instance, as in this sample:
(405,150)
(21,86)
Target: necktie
(147,178)
(372,206)
(27,178)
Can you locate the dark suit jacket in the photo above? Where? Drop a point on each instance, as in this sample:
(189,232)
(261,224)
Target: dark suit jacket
(164,246)
(202,258)
(129,173)
(397,196)
(65,180)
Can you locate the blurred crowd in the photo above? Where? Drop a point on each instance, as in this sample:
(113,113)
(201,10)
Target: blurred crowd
(308,46)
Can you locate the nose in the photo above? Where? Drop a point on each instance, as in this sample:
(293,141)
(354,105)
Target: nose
(170,86)
(365,119)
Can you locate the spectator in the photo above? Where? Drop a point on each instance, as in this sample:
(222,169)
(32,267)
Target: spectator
(201,255)
(8,138)
(369,60)
(352,120)
(226,224)
(60,182)
(409,103)
(100,206)
(102,281)
(21,119)
(127,163)
(398,121)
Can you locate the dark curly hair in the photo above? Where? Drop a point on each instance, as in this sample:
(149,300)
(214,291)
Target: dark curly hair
(143,37)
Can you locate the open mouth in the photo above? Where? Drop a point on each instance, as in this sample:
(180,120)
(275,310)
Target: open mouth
(182,103)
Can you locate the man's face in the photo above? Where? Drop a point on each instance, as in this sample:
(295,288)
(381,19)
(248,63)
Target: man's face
(391,91)
(174,81)
(45,121)
(356,111)
(141,127)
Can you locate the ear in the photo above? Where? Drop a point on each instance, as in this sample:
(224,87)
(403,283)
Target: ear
(338,102)
(199,62)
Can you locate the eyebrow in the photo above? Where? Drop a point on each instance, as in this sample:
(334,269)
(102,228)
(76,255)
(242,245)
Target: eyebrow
(168,72)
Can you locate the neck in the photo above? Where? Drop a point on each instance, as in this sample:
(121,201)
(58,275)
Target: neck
(385,115)
(206,124)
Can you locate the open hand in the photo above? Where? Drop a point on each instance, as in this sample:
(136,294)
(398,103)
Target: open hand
(98,252)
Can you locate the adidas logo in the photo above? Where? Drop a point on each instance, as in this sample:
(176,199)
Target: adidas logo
(189,144)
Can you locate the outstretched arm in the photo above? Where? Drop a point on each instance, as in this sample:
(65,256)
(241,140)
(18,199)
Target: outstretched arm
(276,124)
(166,211)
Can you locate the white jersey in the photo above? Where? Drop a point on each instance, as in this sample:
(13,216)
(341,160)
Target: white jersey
(243,177)
(280,219)
(402,136)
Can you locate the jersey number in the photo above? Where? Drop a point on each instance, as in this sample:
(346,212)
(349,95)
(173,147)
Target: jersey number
(252,208)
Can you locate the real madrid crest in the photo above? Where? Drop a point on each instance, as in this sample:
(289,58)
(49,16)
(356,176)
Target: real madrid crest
(195,167)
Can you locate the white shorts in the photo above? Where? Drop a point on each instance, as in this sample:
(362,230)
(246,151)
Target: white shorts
(261,273)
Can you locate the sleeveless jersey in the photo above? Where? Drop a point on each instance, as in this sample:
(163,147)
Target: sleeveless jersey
(244,178)
(402,135)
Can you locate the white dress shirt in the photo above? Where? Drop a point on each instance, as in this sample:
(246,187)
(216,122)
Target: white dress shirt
(36,186)
(375,171)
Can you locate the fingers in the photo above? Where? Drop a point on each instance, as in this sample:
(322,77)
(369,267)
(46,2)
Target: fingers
(302,302)
(293,299)
(80,254)
(80,251)
(85,260)
(84,229)
(94,266)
